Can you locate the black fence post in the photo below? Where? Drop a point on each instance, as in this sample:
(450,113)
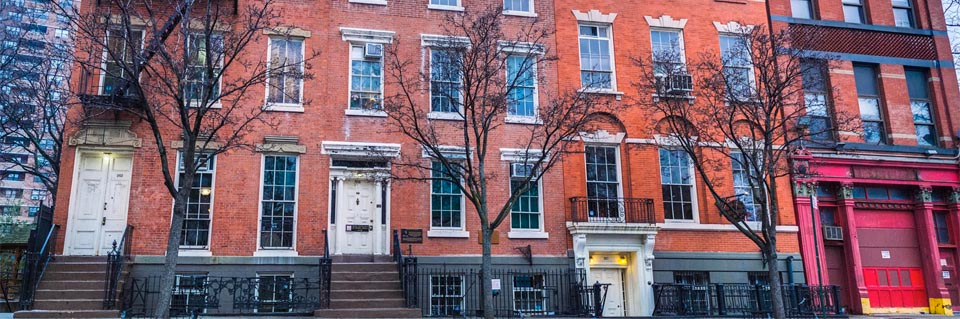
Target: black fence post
(721,302)
(758,295)
(597,300)
(835,298)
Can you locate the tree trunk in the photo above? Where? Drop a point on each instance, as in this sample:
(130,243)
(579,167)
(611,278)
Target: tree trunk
(776,291)
(168,274)
(486,276)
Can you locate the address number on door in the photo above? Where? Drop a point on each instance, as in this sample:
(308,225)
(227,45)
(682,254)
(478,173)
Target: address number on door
(359,228)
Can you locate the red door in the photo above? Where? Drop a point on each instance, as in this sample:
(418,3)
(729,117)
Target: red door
(947,261)
(895,287)
(837,272)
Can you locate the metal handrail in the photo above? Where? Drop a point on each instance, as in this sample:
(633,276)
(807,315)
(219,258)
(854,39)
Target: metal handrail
(115,260)
(407,269)
(325,270)
(36,266)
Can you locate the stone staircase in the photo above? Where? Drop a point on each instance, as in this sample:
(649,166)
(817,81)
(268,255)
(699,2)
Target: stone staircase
(366,290)
(71,287)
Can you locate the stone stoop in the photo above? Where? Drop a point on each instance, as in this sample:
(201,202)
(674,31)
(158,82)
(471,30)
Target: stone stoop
(71,287)
(366,290)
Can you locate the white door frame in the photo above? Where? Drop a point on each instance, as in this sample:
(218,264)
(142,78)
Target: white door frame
(381,228)
(68,232)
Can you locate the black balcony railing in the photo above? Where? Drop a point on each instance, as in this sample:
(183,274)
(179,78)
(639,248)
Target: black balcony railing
(101,92)
(612,210)
(744,300)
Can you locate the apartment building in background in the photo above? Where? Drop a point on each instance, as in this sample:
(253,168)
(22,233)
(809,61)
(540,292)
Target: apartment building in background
(878,210)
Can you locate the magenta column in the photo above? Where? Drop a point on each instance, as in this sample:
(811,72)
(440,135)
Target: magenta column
(860,300)
(808,223)
(937,291)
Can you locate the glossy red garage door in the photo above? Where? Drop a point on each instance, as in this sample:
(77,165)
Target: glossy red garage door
(895,287)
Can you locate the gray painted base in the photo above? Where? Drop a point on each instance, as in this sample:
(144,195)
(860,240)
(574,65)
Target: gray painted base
(723,267)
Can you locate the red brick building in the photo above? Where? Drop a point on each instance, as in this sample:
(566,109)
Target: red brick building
(877,211)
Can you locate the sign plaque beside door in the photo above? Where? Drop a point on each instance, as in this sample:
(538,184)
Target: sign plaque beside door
(411,236)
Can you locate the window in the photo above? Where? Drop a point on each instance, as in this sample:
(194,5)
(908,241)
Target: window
(868,96)
(880,193)
(941,225)
(199,78)
(189,295)
(10,210)
(819,125)
(603,183)
(528,294)
(735,54)
(285,80)
(38,194)
(41,161)
(61,33)
(828,216)
(196,224)
(691,277)
(596,57)
(13,176)
(445,3)
(522,93)
(677,185)
(525,213)
(279,201)
(14,158)
(920,107)
(33,211)
(446,296)
(11,193)
(746,185)
(16,141)
(445,80)
(366,80)
(758,278)
(518,6)
(903,13)
(853,11)
(275,293)
(446,200)
(668,53)
(119,53)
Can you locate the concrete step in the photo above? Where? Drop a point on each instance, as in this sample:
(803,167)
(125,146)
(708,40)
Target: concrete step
(365,285)
(67,314)
(71,284)
(369,313)
(64,304)
(362,303)
(361,259)
(68,294)
(76,266)
(365,275)
(74,275)
(101,259)
(367,294)
(364,267)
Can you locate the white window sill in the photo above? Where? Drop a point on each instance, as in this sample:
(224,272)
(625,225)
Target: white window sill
(680,221)
(515,119)
(297,108)
(275,253)
(377,2)
(600,91)
(448,233)
(187,252)
(196,105)
(520,13)
(527,234)
(372,113)
(449,116)
(445,8)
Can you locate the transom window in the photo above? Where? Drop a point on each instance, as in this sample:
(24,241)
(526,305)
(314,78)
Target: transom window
(920,107)
(868,96)
(525,213)
(737,66)
(746,185)
(198,78)
(522,93)
(596,57)
(285,80)
(446,199)
(677,185)
(279,201)
(853,11)
(366,79)
(196,223)
(880,193)
(275,293)
(518,6)
(668,54)
(445,81)
(603,183)
(446,296)
(120,50)
(903,13)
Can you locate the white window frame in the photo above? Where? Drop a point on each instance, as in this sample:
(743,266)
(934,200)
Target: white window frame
(292,251)
(349,111)
(617,155)
(752,68)
(273,274)
(375,2)
(531,13)
(288,107)
(613,61)
(104,55)
(694,199)
(527,233)
(744,168)
(462,295)
(680,44)
(199,250)
(530,292)
(216,103)
(177,290)
(457,7)
(441,115)
(456,232)
(525,119)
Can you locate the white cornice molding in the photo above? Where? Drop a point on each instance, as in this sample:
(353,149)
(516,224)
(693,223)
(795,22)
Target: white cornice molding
(448,151)
(366,35)
(733,27)
(602,136)
(522,155)
(522,47)
(360,149)
(594,16)
(665,22)
(436,40)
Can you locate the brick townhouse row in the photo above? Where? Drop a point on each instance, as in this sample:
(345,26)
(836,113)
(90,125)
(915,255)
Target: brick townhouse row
(267,211)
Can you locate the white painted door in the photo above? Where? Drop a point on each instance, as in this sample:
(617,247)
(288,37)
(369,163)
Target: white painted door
(102,196)
(613,307)
(358,215)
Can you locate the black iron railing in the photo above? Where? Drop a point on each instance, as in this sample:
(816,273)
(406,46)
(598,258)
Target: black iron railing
(325,271)
(407,267)
(9,290)
(37,257)
(612,210)
(201,295)
(116,258)
(98,91)
(739,300)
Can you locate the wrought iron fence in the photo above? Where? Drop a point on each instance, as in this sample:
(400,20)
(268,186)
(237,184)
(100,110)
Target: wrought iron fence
(9,290)
(612,210)
(115,261)
(744,300)
(42,241)
(524,292)
(407,268)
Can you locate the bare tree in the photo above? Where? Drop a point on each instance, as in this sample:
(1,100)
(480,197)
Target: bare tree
(744,110)
(480,72)
(185,69)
